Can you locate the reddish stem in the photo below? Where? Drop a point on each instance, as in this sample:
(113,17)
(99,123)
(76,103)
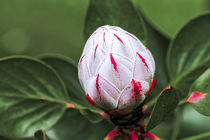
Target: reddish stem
(144,108)
(112,135)
(69,105)
(133,135)
(105,115)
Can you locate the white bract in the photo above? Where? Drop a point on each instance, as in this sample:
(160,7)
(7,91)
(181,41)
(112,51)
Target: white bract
(116,70)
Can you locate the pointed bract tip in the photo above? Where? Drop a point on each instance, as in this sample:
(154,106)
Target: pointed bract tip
(143,60)
(81,58)
(91,100)
(68,105)
(119,39)
(196,97)
(105,115)
(144,108)
(97,83)
(95,51)
(137,87)
(113,62)
(152,86)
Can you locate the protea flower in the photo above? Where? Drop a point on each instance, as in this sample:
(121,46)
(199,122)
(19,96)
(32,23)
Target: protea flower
(116,70)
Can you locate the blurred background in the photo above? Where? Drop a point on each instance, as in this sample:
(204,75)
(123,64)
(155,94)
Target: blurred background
(39,26)
(35,27)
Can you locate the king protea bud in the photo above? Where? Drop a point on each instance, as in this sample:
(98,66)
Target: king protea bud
(116,70)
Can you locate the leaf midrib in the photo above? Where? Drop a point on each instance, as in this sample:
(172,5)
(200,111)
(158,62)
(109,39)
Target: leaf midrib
(179,78)
(36,98)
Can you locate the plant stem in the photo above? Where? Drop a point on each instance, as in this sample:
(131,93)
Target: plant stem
(198,137)
(176,124)
(183,101)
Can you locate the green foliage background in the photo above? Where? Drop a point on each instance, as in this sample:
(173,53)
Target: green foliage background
(37,27)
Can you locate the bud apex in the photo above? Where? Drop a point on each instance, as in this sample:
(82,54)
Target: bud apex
(116,69)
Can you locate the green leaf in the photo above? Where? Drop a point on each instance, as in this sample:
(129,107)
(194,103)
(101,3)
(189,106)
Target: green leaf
(188,56)
(202,86)
(114,12)
(32,96)
(203,136)
(91,116)
(166,103)
(184,81)
(171,21)
(41,135)
(193,123)
(67,70)
(75,126)
(157,43)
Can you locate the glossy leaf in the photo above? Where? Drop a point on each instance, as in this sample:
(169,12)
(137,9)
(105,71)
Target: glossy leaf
(91,116)
(67,70)
(114,12)
(166,103)
(170,16)
(32,96)
(202,86)
(41,135)
(193,123)
(75,126)
(157,43)
(188,55)
(203,136)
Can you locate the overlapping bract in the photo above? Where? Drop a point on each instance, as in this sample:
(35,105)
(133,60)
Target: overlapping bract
(116,69)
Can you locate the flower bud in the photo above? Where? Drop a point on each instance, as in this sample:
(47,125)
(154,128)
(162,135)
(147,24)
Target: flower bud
(116,70)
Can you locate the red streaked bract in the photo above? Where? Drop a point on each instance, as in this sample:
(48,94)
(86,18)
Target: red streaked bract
(195,97)
(116,70)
